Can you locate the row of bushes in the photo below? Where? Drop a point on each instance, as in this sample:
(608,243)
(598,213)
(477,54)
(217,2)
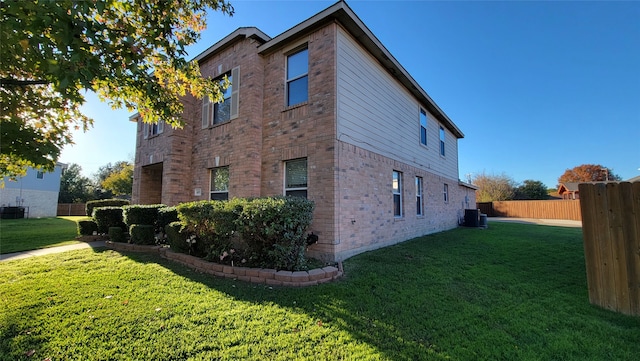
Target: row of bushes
(266,232)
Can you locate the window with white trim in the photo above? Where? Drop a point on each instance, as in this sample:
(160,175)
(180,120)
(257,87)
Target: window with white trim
(219,189)
(295,178)
(419,203)
(153,129)
(423,127)
(442,135)
(445,192)
(226,109)
(297,89)
(397,194)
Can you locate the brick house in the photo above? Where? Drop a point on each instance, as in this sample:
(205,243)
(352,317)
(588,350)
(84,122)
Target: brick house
(322,110)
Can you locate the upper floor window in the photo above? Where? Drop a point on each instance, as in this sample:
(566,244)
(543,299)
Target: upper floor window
(295,178)
(150,130)
(227,109)
(40,175)
(397,194)
(423,127)
(441,141)
(297,77)
(419,203)
(219,184)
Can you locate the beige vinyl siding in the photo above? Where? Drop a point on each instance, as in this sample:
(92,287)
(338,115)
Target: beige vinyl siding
(375,112)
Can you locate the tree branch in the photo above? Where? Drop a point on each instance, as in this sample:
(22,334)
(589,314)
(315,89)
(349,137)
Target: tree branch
(7,82)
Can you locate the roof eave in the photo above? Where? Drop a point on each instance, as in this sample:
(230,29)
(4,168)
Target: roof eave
(244,32)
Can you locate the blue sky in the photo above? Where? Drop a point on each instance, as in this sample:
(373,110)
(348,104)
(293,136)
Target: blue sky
(536,87)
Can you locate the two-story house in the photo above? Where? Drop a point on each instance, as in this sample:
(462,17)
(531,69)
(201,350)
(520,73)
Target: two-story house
(36,193)
(321,111)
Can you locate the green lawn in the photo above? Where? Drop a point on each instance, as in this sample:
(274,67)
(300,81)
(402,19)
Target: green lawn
(511,292)
(34,233)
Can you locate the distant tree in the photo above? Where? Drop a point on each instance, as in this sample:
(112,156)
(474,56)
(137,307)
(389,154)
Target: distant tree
(130,52)
(494,187)
(588,173)
(531,189)
(120,181)
(108,169)
(74,188)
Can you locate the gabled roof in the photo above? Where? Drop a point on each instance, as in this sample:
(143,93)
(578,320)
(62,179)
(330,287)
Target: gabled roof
(634,179)
(568,187)
(343,14)
(244,32)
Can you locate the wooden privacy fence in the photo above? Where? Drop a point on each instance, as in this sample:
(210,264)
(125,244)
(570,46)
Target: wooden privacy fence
(611,232)
(71,209)
(560,209)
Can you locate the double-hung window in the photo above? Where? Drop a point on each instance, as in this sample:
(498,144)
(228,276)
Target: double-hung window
(297,77)
(442,141)
(419,203)
(151,130)
(219,184)
(226,109)
(295,178)
(397,194)
(423,127)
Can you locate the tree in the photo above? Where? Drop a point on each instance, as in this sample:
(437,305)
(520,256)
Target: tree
(531,189)
(130,52)
(74,188)
(588,173)
(494,187)
(120,181)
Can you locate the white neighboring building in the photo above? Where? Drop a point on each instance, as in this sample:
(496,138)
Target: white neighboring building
(37,192)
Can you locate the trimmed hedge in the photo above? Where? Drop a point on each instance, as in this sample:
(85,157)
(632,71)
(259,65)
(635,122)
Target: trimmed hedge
(142,234)
(176,238)
(106,217)
(86,227)
(271,230)
(116,234)
(166,216)
(141,214)
(114,202)
(274,228)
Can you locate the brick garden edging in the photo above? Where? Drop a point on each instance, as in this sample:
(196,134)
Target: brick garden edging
(254,275)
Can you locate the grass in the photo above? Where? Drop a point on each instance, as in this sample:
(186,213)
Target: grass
(511,292)
(18,235)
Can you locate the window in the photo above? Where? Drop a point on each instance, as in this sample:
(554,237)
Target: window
(219,184)
(442,141)
(150,130)
(40,175)
(227,109)
(295,175)
(397,194)
(446,193)
(419,203)
(297,77)
(423,127)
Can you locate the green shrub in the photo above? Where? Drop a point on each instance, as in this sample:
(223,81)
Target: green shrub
(274,229)
(142,234)
(176,238)
(141,214)
(166,216)
(91,205)
(116,234)
(212,223)
(106,217)
(86,227)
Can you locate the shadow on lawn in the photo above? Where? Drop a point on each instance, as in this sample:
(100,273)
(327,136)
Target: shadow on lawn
(465,294)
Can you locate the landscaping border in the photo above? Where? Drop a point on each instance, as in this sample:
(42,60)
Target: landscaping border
(266,276)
